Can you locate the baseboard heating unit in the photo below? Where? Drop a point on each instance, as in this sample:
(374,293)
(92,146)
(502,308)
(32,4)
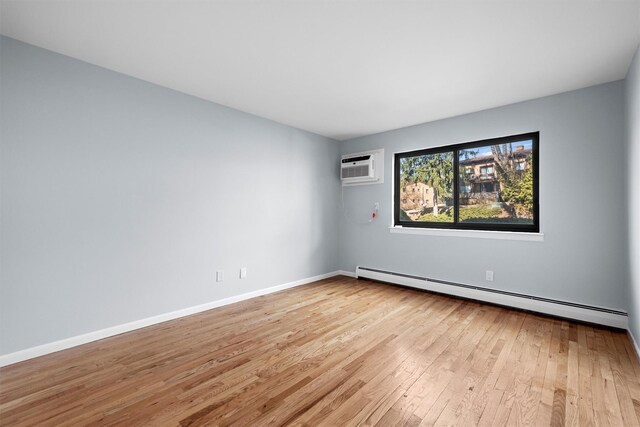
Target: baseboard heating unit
(585,313)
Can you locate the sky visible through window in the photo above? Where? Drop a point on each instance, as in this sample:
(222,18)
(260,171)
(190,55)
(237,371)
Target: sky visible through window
(486,151)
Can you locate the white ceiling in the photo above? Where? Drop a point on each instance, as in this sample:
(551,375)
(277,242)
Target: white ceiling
(343,68)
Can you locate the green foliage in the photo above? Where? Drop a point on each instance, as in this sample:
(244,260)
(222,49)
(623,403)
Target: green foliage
(518,192)
(443,216)
(479,212)
(474,213)
(516,185)
(434,170)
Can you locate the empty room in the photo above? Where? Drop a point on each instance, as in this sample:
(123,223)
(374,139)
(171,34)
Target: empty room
(320,213)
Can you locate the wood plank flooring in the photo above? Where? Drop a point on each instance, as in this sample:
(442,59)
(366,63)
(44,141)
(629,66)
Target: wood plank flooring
(337,352)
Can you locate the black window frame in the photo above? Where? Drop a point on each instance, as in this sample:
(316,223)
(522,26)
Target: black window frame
(455,149)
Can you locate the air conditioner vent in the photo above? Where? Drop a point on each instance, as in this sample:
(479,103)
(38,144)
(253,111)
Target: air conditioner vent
(355,171)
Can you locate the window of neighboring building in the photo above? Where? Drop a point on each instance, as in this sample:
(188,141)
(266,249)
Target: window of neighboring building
(504,197)
(486,170)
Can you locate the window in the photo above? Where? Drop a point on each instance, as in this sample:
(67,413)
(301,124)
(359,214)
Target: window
(488,187)
(431,175)
(503,197)
(486,170)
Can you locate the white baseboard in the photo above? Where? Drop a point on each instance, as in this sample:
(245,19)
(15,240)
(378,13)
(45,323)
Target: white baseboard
(539,306)
(29,353)
(547,307)
(346,273)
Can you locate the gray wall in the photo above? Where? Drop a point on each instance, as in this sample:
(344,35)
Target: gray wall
(582,203)
(120,199)
(633,178)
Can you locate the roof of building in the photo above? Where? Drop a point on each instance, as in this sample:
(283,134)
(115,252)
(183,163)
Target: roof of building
(489,157)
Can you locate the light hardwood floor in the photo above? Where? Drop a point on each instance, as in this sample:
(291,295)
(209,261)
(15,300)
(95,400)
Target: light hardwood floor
(337,352)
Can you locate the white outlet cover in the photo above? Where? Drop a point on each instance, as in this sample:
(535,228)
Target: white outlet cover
(243,273)
(219,276)
(489,275)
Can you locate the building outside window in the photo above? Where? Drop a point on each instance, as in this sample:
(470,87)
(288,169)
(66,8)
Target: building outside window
(484,185)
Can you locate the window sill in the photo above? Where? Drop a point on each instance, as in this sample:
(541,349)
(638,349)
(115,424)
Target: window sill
(478,234)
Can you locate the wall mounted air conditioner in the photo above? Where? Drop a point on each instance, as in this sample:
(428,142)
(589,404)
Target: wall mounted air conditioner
(362,168)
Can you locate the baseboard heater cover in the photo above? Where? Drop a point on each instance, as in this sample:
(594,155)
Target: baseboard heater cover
(586,313)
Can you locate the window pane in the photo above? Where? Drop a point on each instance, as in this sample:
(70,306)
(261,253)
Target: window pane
(426,188)
(500,184)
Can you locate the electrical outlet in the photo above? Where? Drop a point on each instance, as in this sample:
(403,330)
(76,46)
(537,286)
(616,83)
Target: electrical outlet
(489,275)
(376,206)
(219,275)
(243,273)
